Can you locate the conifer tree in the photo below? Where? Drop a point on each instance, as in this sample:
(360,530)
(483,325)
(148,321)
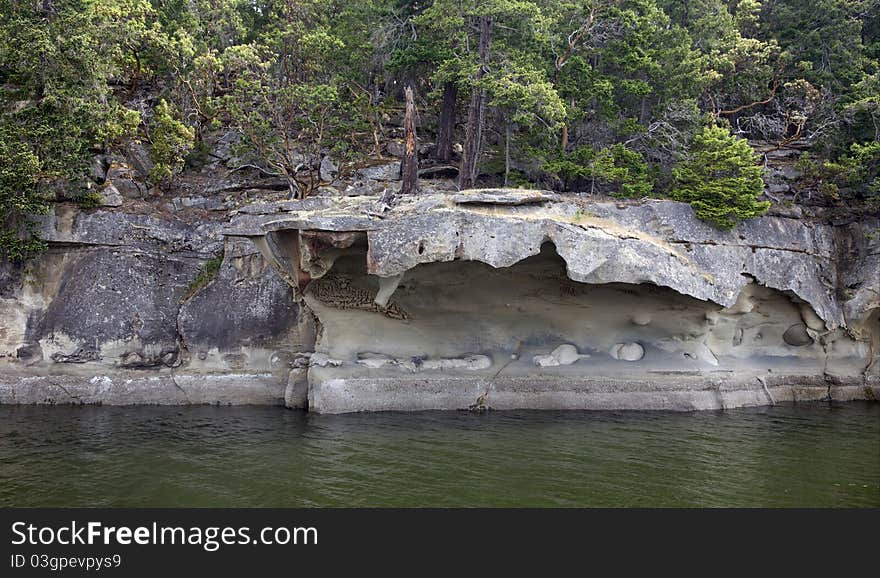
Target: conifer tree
(720,179)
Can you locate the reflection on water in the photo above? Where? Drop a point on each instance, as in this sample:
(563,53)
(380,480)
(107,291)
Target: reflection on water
(792,455)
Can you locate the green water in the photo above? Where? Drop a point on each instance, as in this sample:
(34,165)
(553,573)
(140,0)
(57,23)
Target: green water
(791,455)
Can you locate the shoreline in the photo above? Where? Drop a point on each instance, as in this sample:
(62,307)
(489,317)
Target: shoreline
(379,394)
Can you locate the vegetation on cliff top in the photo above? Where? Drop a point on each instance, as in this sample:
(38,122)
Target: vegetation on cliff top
(720,178)
(628,97)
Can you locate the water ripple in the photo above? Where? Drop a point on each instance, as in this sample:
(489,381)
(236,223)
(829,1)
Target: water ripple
(789,455)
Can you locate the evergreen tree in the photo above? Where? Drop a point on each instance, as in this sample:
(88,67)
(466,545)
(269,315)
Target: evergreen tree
(720,179)
(19,198)
(170,142)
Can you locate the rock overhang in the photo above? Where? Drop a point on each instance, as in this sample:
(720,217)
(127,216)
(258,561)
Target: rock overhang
(654,242)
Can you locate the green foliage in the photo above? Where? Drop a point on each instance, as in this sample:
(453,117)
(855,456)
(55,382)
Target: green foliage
(859,170)
(528,97)
(207,273)
(57,63)
(170,142)
(826,36)
(58,67)
(90,200)
(292,93)
(612,92)
(720,179)
(861,109)
(855,172)
(736,66)
(860,166)
(624,170)
(19,197)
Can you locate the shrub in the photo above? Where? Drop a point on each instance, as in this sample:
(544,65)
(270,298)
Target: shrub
(19,197)
(615,166)
(720,178)
(170,140)
(207,273)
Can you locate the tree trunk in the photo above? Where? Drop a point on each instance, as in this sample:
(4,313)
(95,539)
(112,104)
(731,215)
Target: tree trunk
(292,188)
(473,135)
(506,153)
(643,113)
(446,130)
(410,171)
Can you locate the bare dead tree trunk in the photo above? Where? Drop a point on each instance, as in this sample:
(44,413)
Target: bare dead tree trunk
(410,171)
(292,188)
(446,130)
(506,153)
(473,135)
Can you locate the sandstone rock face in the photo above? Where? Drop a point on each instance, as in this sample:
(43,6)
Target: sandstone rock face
(328,170)
(259,325)
(627,351)
(565,354)
(384,172)
(657,242)
(118,296)
(797,335)
(510,275)
(110,196)
(490,298)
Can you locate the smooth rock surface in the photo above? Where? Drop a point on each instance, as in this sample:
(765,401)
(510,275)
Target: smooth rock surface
(117,297)
(383,172)
(627,351)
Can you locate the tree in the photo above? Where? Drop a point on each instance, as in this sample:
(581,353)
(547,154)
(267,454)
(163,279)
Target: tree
(605,95)
(19,199)
(485,42)
(473,132)
(170,142)
(861,110)
(619,66)
(720,179)
(284,125)
(823,38)
(419,48)
(740,71)
(60,63)
(857,170)
(410,170)
(524,98)
(285,99)
(615,170)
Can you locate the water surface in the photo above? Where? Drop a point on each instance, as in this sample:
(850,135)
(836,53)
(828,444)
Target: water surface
(789,455)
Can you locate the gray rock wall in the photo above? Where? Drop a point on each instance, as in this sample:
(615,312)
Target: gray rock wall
(495,299)
(113,313)
(421,305)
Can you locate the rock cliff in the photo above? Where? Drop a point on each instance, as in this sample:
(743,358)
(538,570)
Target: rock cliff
(474,299)
(120,311)
(512,299)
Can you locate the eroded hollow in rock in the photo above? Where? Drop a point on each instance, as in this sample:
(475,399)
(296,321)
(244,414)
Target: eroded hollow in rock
(463,327)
